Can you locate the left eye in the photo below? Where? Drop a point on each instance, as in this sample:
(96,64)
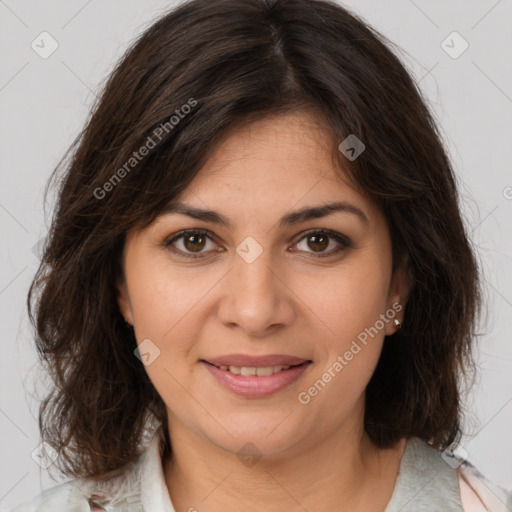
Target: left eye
(193,241)
(319,239)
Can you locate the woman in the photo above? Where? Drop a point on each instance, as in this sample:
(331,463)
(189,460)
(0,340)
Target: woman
(258,291)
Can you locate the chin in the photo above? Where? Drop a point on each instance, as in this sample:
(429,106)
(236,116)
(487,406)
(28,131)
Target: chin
(263,434)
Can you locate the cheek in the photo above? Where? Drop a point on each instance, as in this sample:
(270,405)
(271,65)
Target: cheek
(164,303)
(158,297)
(352,298)
(162,310)
(350,306)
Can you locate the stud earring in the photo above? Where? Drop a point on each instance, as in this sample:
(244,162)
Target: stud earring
(397,323)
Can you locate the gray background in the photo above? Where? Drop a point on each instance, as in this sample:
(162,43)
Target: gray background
(44,103)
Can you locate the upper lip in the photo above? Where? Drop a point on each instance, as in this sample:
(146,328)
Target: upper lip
(255,361)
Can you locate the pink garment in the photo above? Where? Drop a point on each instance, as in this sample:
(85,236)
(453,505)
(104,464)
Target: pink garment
(478,494)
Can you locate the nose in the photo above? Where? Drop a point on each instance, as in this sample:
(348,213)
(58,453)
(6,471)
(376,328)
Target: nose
(256,297)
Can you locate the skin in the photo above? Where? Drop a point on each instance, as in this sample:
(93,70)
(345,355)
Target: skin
(290,300)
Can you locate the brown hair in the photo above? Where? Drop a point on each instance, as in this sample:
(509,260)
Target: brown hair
(233,62)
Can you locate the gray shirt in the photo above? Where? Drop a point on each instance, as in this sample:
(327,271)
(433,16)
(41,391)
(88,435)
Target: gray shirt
(427,481)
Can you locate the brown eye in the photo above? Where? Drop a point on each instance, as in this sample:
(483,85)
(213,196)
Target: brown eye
(192,243)
(319,240)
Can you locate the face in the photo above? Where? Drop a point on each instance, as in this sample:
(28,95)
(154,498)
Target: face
(264,283)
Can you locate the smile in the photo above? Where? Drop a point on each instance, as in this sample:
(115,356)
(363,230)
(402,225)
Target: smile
(260,371)
(256,381)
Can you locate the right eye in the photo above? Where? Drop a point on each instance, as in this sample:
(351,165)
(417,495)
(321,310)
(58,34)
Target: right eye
(192,240)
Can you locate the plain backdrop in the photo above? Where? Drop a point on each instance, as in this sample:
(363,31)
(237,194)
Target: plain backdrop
(44,102)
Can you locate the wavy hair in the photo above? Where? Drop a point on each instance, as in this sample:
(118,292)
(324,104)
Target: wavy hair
(234,62)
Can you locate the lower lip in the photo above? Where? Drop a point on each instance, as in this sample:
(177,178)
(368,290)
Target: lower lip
(253,386)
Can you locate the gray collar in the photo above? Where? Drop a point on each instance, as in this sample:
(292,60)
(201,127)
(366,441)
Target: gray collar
(425,482)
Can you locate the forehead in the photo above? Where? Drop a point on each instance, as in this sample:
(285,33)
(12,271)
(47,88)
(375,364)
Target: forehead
(291,138)
(273,165)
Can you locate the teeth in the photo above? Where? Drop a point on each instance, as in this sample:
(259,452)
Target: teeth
(262,371)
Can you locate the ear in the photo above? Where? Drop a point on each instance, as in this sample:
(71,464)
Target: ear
(399,289)
(123,300)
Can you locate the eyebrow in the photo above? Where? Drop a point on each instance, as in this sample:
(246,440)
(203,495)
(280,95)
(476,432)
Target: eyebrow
(290,219)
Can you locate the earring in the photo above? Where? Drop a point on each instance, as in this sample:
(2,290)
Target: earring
(397,323)
(127,323)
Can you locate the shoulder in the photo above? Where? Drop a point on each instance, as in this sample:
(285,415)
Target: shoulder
(120,490)
(58,497)
(478,494)
(445,482)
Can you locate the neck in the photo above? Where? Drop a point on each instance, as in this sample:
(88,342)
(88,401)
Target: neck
(342,471)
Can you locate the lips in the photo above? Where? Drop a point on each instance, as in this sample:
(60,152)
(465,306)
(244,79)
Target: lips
(242,381)
(243,360)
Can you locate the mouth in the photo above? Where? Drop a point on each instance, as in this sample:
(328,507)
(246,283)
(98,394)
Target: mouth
(256,371)
(256,381)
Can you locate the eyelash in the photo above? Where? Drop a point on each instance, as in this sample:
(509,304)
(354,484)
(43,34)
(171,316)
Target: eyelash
(343,240)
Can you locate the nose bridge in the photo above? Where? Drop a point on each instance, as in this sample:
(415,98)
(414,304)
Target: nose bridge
(256,296)
(255,273)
